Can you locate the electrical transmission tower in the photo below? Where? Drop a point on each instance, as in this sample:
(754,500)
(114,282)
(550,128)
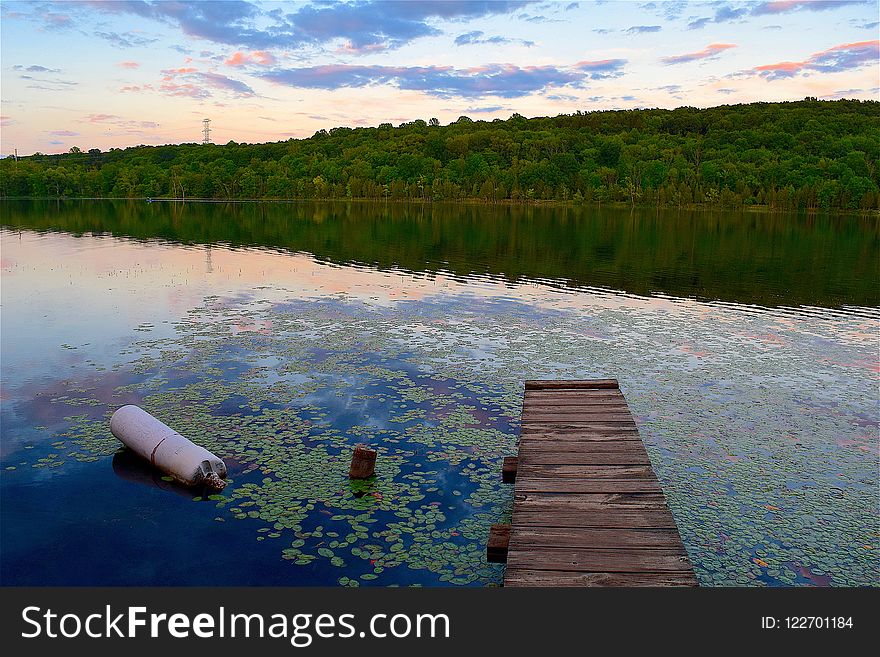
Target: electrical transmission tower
(206,131)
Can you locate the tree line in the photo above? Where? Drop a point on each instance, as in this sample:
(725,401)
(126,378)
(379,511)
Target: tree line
(805,155)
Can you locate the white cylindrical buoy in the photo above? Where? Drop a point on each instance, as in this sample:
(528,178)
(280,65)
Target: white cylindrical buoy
(166,449)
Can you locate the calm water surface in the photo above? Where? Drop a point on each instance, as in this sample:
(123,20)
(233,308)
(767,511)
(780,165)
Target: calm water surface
(279,336)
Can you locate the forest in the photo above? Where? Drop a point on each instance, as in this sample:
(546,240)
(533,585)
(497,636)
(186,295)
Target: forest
(794,156)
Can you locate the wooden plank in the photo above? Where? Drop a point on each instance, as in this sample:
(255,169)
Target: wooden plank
(584,434)
(508,469)
(532,395)
(579,537)
(595,426)
(565,416)
(604,561)
(594,384)
(590,471)
(587,501)
(578,397)
(583,458)
(519,577)
(575,447)
(610,518)
(586,485)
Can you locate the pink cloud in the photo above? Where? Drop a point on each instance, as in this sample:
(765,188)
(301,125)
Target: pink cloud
(64,133)
(259,57)
(186,89)
(712,50)
(844,57)
(784,6)
(128,65)
(133,88)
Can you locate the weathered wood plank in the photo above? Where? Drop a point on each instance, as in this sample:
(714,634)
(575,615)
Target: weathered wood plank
(586,485)
(587,501)
(594,384)
(574,447)
(553,416)
(579,435)
(578,537)
(588,404)
(568,425)
(519,577)
(610,518)
(604,561)
(590,471)
(568,396)
(582,458)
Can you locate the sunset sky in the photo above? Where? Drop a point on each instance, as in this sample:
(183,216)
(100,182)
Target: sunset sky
(97,74)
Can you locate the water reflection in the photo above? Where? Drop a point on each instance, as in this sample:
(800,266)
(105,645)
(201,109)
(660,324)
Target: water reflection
(129,466)
(766,259)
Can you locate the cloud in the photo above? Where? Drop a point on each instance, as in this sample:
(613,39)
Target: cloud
(478,37)
(53,21)
(259,57)
(844,57)
(710,51)
(218,81)
(365,25)
(726,13)
(727,91)
(484,110)
(602,68)
(129,65)
(785,6)
(844,93)
(64,133)
(190,82)
(642,29)
(501,80)
(125,39)
(602,30)
(699,23)
(572,5)
(538,19)
(116,121)
(35,68)
(6,121)
(48,84)
(863,24)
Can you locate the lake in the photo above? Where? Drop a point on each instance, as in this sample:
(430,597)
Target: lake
(281,335)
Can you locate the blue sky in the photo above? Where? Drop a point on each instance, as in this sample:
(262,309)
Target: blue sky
(102,74)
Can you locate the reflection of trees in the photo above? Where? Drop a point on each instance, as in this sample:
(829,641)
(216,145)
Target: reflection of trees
(771,259)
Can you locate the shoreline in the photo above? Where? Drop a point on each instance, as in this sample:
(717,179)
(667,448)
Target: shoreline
(549,203)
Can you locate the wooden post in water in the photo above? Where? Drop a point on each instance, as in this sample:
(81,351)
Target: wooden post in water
(363,463)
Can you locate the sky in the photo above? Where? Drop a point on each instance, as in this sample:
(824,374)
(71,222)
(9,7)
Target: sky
(112,74)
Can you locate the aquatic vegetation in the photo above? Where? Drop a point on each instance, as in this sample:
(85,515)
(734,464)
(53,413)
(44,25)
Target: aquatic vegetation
(767,459)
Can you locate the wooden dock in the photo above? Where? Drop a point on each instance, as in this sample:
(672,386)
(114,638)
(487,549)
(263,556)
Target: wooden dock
(588,509)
